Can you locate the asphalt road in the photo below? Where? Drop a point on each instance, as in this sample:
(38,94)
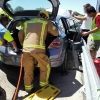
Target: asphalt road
(70,85)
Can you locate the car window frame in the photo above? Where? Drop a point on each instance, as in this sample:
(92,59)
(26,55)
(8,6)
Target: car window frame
(60,29)
(74,21)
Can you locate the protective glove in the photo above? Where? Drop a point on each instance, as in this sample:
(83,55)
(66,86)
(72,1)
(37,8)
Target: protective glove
(62,35)
(18,51)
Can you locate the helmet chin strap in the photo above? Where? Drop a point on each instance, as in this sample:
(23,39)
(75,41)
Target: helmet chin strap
(42,15)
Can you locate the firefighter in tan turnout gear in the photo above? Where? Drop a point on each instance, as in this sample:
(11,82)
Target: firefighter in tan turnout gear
(33,37)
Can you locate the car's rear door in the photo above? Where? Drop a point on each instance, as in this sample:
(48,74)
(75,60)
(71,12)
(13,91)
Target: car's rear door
(57,47)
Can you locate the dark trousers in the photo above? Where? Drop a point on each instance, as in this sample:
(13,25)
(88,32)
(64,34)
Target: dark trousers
(85,37)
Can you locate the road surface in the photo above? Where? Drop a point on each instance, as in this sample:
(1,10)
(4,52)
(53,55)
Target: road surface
(70,85)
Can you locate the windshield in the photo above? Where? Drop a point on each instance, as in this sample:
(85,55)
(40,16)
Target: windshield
(15,6)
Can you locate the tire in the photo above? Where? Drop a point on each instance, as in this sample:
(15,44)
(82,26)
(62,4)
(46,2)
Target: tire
(63,67)
(79,58)
(69,45)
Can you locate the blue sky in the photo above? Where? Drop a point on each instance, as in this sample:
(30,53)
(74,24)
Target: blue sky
(75,5)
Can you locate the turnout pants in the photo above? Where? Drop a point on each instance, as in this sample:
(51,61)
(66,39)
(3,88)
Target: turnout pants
(28,64)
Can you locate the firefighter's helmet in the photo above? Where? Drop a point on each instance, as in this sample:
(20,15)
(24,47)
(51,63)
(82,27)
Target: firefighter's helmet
(43,14)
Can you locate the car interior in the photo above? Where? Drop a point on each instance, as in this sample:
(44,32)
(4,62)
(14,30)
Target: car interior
(15,28)
(74,32)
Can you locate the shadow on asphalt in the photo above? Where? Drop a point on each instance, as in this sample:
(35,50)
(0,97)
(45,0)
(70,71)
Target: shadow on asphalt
(12,73)
(2,94)
(68,84)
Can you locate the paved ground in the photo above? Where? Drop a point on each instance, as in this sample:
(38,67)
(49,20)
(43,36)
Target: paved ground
(70,85)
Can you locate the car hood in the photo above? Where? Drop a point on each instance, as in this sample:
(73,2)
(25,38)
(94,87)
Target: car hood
(17,8)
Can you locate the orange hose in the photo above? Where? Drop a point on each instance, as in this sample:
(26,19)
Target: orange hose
(19,79)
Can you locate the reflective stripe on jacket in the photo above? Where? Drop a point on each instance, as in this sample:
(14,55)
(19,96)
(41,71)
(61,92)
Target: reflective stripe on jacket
(34,34)
(5,34)
(96,35)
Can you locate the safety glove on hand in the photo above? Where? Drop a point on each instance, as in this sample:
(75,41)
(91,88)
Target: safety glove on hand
(17,51)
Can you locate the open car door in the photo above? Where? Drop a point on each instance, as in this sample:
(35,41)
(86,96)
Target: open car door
(29,7)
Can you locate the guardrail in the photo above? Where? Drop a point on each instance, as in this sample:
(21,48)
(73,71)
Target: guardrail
(91,78)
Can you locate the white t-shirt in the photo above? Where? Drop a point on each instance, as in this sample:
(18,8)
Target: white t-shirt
(87,23)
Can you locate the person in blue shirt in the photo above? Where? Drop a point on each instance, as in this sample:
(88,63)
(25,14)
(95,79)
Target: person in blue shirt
(4,33)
